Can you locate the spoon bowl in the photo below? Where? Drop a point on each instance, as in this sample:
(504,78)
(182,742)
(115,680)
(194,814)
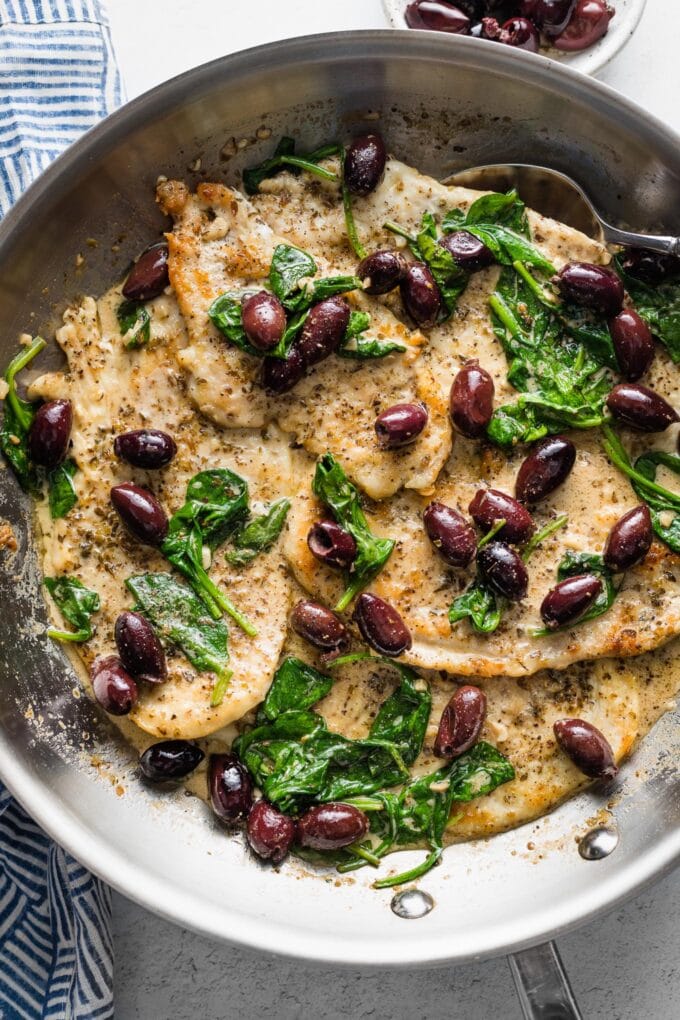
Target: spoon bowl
(558,196)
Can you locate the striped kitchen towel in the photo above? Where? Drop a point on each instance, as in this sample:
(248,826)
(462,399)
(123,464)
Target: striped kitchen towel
(58,77)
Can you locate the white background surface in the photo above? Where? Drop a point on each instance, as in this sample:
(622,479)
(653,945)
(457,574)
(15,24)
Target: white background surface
(623,967)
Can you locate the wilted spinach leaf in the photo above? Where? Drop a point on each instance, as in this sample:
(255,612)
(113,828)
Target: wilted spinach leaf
(420,812)
(479,603)
(496,207)
(364,348)
(135,323)
(216,503)
(62,492)
(659,306)
(289,266)
(661,501)
(180,618)
(284,158)
(332,486)
(76,603)
(574,564)
(403,717)
(562,384)
(296,687)
(296,760)
(225,314)
(17,420)
(500,222)
(259,534)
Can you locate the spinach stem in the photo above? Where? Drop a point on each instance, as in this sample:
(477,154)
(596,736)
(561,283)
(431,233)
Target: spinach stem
(394,228)
(535,287)
(220,688)
(213,598)
(366,803)
(67,635)
(22,359)
(504,313)
(615,451)
(541,535)
(306,164)
(498,525)
(410,876)
(349,594)
(364,853)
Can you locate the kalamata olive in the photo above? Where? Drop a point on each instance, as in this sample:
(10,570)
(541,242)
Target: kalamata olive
(382,271)
(324,330)
(230,787)
(145,448)
(546,467)
(452,536)
(594,287)
(320,626)
(112,685)
(332,544)
(170,759)
(629,540)
(649,266)
(504,569)
(633,343)
(461,722)
(149,276)
(589,750)
(50,431)
(569,600)
(381,625)
(491,505)
(588,23)
(551,16)
(438,16)
(468,251)
(471,400)
(270,832)
(331,826)
(520,32)
(264,320)
(421,295)
(365,164)
(400,425)
(141,512)
(280,374)
(641,408)
(139,648)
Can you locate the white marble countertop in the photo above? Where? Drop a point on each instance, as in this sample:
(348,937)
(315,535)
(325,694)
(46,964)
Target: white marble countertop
(624,966)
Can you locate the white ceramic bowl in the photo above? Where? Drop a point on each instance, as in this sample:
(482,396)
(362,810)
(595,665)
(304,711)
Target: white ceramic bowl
(621,28)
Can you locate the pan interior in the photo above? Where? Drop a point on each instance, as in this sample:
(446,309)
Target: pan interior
(442,106)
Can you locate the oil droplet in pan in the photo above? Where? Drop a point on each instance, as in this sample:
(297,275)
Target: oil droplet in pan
(598,843)
(412,903)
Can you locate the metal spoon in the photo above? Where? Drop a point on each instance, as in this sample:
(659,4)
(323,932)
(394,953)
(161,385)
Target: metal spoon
(554,194)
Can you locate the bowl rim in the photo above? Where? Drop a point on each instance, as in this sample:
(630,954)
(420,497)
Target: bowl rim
(113,866)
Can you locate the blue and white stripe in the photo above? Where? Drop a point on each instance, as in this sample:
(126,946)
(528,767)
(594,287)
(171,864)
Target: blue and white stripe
(58,77)
(56,956)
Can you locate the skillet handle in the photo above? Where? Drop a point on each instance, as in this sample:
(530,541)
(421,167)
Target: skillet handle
(542,984)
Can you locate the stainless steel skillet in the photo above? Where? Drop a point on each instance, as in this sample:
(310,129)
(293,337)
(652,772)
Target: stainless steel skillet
(442,104)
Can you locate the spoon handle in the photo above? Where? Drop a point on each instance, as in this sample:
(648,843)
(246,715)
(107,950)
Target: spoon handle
(665,245)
